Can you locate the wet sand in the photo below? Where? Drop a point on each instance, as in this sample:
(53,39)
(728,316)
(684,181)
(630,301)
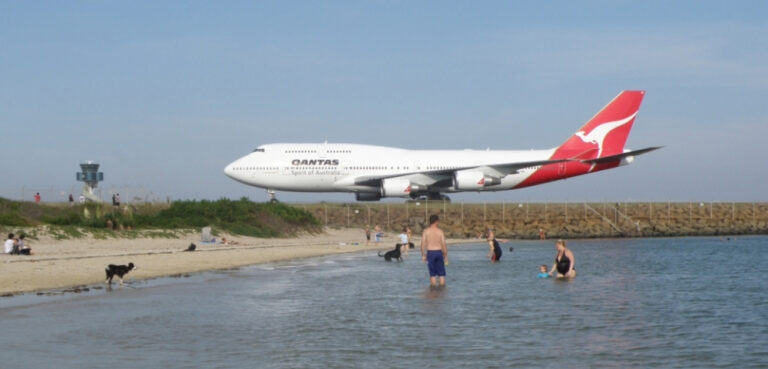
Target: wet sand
(75,262)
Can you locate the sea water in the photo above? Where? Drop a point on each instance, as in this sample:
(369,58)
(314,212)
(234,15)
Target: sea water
(636,303)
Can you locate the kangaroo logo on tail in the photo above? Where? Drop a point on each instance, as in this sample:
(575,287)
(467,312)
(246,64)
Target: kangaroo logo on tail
(598,134)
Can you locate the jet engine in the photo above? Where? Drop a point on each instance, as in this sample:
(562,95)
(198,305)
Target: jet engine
(473,180)
(367,196)
(397,187)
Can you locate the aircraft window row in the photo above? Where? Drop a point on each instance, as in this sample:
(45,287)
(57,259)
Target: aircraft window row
(256,168)
(438,168)
(301,151)
(258,150)
(375,168)
(339,151)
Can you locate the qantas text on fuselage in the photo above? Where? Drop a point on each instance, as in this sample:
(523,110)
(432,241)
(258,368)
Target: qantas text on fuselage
(375,172)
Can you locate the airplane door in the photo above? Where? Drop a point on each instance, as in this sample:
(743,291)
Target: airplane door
(561,168)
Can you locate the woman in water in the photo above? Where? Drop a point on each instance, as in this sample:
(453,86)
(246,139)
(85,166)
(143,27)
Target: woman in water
(494,252)
(564,261)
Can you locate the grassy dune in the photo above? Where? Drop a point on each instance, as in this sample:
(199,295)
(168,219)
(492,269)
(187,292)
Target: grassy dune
(241,217)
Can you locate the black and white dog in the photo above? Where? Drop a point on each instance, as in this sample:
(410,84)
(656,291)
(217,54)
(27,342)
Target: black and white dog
(117,270)
(392,254)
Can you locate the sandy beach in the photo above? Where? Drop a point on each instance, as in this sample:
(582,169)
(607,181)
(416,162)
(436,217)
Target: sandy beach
(60,264)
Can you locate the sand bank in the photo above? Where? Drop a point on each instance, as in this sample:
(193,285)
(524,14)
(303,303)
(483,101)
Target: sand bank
(75,262)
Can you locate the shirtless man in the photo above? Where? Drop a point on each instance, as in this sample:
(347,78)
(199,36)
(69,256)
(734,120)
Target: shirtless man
(434,251)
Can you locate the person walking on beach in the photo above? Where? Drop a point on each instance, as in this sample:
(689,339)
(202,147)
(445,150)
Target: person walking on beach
(37,198)
(434,252)
(367,235)
(410,237)
(564,261)
(404,241)
(378,234)
(71,200)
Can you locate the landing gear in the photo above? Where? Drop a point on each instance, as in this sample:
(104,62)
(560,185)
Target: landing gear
(271,194)
(431,196)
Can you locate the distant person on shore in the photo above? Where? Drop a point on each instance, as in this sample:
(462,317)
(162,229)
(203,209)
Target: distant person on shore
(434,251)
(10,244)
(543,272)
(404,241)
(378,234)
(367,235)
(117,200)
(37,198)
(410,237)
(114,203)
(22,247)
(71,200)
(225,241)
(495,249)
(542,234)
(565,262)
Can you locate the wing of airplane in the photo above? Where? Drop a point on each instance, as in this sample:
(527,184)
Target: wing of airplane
(500,169)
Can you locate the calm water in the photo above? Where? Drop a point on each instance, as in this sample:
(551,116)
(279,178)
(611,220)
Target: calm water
(688,303)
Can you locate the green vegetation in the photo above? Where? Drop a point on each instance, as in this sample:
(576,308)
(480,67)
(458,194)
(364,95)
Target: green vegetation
(241,217)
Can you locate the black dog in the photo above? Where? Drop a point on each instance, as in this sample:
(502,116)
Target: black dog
(191,247)
(117,270)
(392,254)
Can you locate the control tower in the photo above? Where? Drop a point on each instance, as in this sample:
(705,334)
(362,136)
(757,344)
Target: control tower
(91,176)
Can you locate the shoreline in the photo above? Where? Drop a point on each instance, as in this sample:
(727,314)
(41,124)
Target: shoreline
(79,263)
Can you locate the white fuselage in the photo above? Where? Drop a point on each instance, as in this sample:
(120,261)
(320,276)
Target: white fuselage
(333,167)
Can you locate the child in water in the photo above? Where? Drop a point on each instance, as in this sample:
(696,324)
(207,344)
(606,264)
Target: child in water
(543,272)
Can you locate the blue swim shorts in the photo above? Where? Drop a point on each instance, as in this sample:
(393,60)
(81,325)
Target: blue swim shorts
(435,263)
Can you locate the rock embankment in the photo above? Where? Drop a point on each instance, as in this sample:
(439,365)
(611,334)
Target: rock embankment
(557,220)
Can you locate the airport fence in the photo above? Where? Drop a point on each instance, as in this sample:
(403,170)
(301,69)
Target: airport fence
(569,219)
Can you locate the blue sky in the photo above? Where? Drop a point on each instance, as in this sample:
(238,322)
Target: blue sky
(165,94)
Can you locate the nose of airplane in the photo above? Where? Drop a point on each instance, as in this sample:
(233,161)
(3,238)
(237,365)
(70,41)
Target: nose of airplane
(229,170)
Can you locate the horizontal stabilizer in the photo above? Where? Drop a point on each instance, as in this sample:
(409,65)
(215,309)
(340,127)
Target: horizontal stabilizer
(612,158)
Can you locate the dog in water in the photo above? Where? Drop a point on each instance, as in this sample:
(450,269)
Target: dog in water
(392,254)
(117,270)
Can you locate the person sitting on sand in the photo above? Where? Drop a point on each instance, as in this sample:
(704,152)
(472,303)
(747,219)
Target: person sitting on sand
(10,244)
(543,271)
(225,241)
(23,247)
(564,261)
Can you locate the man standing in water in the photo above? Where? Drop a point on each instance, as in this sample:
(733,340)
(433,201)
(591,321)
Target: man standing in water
(434,251)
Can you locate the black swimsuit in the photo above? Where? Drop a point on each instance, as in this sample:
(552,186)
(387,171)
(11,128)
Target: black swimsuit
(496,250)
(563,264)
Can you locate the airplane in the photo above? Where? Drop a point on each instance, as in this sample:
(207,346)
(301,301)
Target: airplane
(376,172)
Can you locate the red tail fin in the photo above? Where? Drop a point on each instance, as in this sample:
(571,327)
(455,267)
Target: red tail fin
(603,136)
(607,131)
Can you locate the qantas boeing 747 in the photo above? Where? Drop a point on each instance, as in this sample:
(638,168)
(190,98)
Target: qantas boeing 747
(375,172)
